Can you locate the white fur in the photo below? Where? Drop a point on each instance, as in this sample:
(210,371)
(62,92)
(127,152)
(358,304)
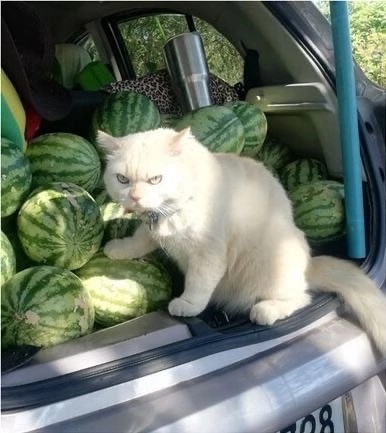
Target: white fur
(228,223)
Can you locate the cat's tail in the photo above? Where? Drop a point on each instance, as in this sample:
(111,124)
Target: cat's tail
(358,291)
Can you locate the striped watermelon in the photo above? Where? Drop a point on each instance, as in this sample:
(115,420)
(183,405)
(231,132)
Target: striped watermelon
(117,222)
(302,171)
(8,260)
(64,157)
(60,224)
(160,258)
(43,306)
(124,113)
(15,177)
(124,289)
(100,195)
(254,123)
(274,154)
(168,120)
(216,127)
(319,210)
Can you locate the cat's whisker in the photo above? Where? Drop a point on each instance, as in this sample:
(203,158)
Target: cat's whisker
(166,209)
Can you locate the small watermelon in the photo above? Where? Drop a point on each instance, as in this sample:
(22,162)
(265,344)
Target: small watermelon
(124,113)
(124,289)
(43,306)
(302,171)
(118,223)
(8,260)
(64,157)
(274,154)
(254,123)
(60,224)
(16,177)
(216,127)
(319,210)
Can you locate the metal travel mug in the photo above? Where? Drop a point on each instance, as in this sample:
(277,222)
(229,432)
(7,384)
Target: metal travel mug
(188,69)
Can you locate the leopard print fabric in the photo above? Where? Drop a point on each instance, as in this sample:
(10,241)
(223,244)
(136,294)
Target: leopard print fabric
(158,88)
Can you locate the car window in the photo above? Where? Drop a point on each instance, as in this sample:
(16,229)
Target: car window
(88,44)
(145,37)
(368,35)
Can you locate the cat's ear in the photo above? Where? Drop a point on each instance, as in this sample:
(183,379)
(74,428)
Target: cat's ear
(177,144)
(108,142)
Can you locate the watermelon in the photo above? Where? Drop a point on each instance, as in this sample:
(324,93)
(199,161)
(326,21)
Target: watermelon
(100,195)
(8,259)
(43,306)
(124,289)
(319,210)
(255,125)
(216,127)
(302,171)
(124,113)
(168,121)
(160,258)
(117,222)
(274,154)
(60,224)
(16,177)
(64,157)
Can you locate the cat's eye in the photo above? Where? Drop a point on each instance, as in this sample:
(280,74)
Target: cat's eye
(122,179)
(155,180)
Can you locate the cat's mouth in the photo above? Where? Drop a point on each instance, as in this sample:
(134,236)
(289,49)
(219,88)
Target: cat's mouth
(128,210)
(164,209)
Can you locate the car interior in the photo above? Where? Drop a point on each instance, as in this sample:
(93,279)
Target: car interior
(268,63)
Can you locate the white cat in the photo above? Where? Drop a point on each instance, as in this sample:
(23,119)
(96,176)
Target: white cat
(228,223)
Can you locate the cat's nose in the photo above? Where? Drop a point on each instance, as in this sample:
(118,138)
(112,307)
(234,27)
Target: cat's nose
(134,197)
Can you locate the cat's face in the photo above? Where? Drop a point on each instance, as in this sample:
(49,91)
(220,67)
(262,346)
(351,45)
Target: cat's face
(144,171)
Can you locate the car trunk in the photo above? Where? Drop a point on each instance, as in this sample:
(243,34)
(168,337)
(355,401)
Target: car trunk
(128,367)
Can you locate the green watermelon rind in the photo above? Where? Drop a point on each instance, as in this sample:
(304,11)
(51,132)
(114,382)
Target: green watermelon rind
(43,306)
(124,113)
(124,289)
(216,127)
(60,224)
(7,259)
(302,171)
(274,154)
(254,123)
(64,157)
(318,210)
(16,177)
(117,222)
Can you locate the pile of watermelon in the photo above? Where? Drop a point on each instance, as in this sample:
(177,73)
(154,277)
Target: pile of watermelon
(56,216)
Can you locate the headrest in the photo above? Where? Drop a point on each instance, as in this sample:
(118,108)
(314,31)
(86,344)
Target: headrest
(28,58)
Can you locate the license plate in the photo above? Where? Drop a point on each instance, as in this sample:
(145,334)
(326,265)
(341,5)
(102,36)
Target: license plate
(327,419)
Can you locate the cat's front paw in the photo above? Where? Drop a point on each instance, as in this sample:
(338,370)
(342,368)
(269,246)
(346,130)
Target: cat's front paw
(266,312)
(118,249)
(181,307)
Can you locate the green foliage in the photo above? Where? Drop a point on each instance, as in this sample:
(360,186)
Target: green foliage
(368,35)
(146,36)
(223,58)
